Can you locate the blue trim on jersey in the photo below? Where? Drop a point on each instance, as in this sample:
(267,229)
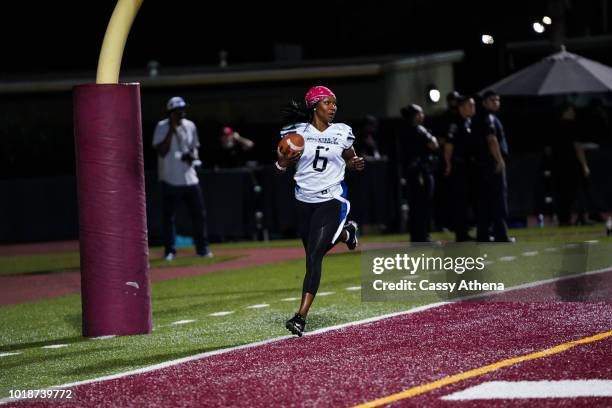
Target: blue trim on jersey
(344,206)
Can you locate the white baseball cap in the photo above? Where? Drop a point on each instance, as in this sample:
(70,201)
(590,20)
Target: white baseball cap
(175,102)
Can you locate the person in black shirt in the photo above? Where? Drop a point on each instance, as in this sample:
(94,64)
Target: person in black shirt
(458,159)
(418,147)
(597,123)
(491,152)
(442,194)
(448,117)
(367,144)
(595,133)
(233,148)
(569,165)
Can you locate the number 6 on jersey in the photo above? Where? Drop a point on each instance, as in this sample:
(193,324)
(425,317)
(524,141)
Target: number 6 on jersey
(320,162)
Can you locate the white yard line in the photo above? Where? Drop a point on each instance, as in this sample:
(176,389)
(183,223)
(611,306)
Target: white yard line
(183,322)
(507,258)
(217,314)
(493,390)
(258,306)
(10,354)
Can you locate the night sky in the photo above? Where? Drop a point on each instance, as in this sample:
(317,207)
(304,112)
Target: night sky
(64,37)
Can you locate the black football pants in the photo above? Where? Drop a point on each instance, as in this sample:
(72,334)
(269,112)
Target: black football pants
(318,223)
(192,196)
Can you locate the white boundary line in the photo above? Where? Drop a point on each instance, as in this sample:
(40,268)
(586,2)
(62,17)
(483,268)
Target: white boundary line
(313,333)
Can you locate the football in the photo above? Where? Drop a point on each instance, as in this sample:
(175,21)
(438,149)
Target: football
(291,144)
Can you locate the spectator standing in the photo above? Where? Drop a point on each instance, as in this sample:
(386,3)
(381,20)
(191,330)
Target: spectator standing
(458,160)
(233,148)
(442,194)
(597,124)
(596,134)
(491,153)
(569,165)
(176,140)
(418,146)
(367,146)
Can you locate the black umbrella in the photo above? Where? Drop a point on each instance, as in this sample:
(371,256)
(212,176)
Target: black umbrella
(561,73)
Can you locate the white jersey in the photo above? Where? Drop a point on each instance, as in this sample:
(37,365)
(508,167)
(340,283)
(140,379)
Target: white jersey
(320,170)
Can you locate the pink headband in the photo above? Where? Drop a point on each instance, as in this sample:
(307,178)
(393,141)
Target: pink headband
(315,94)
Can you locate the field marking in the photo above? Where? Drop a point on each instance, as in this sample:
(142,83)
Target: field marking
(434,385)
(108,336)
(10,354)
(217,314)
(592,241)
(352,288)
(530,253)
(290,299)
(183,322)
(551,249)
(507,258)
(325,293)
(312,333)
(258,306)
(533,389)
(55,346)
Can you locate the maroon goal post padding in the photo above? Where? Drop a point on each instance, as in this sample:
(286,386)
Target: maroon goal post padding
(114,252)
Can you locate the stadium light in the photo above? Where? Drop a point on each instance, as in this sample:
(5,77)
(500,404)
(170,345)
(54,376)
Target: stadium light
(547,20)
(433,93)
(538,27)
(487,39)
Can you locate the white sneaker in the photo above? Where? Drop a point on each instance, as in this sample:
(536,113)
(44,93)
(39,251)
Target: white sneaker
(170,257)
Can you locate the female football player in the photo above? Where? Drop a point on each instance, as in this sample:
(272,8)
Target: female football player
(320,190)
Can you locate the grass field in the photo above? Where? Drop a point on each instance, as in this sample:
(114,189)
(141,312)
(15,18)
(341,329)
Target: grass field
(259,300)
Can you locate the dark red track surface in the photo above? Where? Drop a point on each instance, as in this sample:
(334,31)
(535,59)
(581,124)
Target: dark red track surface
(592,361)
(361,363)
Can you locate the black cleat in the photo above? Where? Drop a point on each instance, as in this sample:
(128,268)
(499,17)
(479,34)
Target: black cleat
(351,228)
(296,325)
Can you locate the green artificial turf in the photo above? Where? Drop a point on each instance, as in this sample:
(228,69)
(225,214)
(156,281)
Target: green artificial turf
(39,263)
(27,327)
